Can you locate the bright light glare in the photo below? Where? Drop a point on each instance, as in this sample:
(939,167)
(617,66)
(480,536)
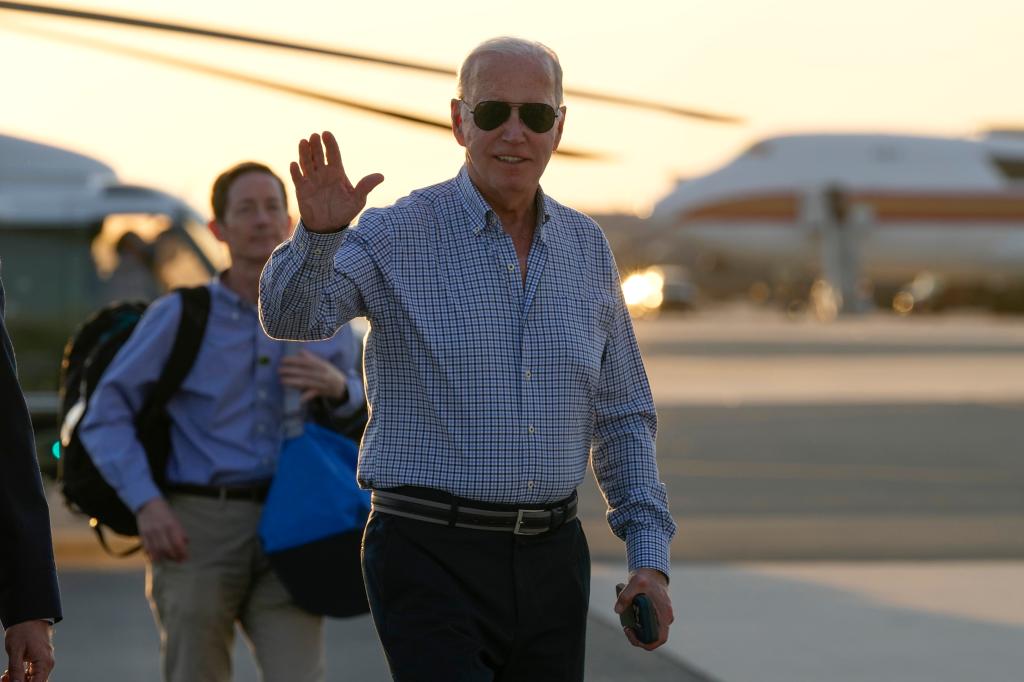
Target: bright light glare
(644,291)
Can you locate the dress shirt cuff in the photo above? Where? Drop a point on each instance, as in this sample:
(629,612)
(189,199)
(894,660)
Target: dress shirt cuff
(316,246)
(352,401)
(49,620)
(647,549)
(136,496)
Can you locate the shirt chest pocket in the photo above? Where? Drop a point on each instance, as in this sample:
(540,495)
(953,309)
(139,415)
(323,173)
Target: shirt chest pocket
(575,330)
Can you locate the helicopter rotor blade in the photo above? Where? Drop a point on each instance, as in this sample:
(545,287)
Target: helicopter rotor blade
(276,86)
(655,106)
(221,35)
(344,54)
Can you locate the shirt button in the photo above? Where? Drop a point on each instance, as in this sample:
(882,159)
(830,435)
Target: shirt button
(530,484)
(261,428)
(511,267)
(318,251)
(264,360)
(530,429)
(528,374)
(261,394)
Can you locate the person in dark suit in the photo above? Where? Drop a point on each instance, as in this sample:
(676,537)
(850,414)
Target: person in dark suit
(29,596)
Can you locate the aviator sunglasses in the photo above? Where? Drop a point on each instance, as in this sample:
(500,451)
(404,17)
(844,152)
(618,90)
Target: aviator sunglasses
(536,116)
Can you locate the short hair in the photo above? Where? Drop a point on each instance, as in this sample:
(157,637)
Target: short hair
(222,185)
(511,47)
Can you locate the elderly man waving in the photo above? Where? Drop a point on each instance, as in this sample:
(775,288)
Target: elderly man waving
(500,359)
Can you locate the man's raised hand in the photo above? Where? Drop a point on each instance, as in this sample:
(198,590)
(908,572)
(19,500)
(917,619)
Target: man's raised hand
(327,200)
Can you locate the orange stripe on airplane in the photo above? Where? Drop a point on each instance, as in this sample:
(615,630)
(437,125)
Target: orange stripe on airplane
(778,207)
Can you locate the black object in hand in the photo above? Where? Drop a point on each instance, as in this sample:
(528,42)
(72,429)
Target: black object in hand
(640,616)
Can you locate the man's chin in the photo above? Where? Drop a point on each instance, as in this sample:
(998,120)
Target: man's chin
(254,256)
(517,180)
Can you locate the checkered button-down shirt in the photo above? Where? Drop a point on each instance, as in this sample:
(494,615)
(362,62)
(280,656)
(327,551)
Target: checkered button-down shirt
(479,384)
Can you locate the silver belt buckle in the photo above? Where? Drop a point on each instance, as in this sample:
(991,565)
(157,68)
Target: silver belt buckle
(519,530)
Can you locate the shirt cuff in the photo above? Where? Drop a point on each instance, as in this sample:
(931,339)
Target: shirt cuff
(317,246)
(136,497)
(647,549)
(346,407)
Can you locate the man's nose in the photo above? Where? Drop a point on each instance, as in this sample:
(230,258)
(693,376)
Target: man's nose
(513,129)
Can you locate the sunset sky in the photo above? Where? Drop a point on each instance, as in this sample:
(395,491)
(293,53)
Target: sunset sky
(787,66)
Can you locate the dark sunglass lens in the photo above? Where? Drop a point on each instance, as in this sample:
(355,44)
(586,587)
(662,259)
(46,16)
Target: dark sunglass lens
(490,115)
(538,117)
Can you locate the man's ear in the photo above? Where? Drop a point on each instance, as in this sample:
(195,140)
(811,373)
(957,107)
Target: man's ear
(559,126)
(456,106)
(216,229)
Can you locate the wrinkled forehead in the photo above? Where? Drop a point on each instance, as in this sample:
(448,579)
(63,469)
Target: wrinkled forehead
(510,78)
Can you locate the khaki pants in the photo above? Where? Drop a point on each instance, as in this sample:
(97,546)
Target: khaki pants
(227,578)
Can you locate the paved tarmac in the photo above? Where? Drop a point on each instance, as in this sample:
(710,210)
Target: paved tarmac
(846,622)
(108,636)
(850,499)
(743,622)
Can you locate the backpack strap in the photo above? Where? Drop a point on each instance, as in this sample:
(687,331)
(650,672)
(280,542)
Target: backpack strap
(195,311)
(152,418)
(122,554)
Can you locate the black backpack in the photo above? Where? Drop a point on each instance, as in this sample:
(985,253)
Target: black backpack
(87,354)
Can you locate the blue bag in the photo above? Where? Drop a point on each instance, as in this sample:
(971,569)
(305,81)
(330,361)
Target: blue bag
(312,524)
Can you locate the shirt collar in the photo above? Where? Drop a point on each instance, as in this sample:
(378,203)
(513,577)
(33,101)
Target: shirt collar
(221,291)
(483,217)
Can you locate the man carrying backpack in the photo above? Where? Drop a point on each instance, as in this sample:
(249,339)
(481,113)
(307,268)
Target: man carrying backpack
(206,569)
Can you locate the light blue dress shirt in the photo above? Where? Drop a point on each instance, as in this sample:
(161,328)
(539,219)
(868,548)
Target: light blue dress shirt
(226,420)
(477,384)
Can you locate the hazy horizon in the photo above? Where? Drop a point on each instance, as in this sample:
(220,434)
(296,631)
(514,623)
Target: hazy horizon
(787,67)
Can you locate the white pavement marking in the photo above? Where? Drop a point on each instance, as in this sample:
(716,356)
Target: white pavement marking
(992,591)
(946,359)
(752,325)
(936,378)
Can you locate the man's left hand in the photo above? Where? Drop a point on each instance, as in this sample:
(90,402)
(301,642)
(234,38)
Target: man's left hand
(29,645)
(314,376)
(654,584)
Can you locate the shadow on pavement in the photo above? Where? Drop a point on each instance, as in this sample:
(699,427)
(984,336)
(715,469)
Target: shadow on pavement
(108,634)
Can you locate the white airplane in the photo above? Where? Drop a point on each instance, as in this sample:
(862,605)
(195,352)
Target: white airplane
(947,209)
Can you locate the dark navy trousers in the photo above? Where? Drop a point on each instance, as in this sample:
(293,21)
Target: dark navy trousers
(463,605)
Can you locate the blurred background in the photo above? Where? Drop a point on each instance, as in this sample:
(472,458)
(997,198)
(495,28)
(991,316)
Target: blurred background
(818,214)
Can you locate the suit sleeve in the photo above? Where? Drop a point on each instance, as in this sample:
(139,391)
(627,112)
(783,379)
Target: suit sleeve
(28,576)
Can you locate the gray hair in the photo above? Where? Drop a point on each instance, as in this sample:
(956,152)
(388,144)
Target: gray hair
(511,47)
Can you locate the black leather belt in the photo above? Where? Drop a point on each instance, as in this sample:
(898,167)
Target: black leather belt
(462,514)
(256,492)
